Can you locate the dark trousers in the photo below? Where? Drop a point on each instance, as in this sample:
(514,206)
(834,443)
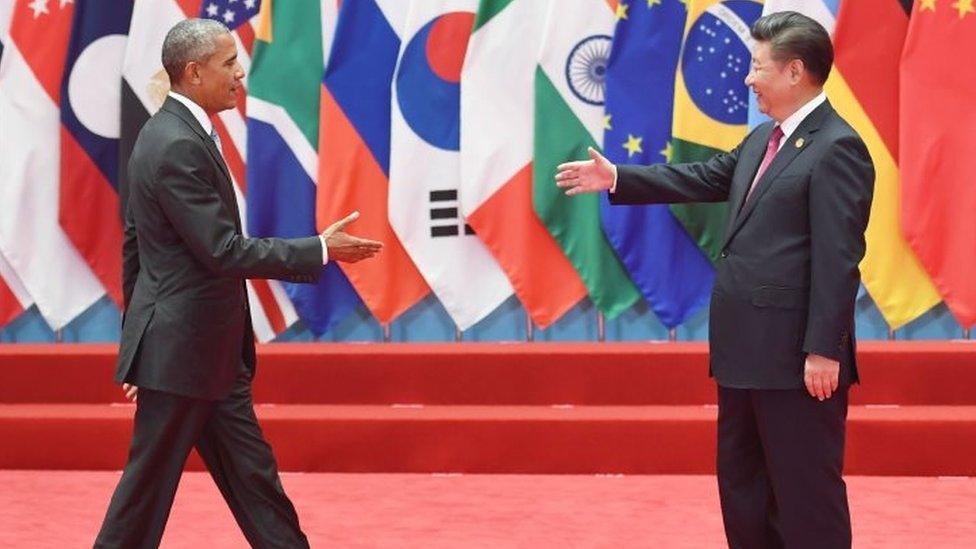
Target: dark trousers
(227,436)
(780,461)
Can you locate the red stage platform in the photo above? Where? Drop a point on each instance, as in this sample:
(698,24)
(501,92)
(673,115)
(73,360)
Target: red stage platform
(493,408)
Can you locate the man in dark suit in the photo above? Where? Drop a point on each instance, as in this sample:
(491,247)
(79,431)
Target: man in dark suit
(187,344)
(781,329)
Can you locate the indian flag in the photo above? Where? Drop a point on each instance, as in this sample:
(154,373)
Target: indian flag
(570,81)
(496,157)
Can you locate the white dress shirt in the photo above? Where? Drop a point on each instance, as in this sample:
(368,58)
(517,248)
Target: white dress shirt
(207,125)
(794,120)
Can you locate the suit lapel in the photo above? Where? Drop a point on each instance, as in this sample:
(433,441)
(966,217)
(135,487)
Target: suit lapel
(787,153)
(224,188)
(752,155)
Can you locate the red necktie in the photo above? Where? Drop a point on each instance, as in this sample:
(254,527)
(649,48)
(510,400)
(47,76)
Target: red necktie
(774,140)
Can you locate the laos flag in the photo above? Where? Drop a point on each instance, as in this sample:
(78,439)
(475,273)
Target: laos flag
(90,118)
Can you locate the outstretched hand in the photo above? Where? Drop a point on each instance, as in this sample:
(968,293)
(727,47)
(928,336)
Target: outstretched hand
(586,176)
(346,247)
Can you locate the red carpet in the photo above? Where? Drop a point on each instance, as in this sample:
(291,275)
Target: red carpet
(63,509)
(494,408)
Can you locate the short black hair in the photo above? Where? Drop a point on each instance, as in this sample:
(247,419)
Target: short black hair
(793,35)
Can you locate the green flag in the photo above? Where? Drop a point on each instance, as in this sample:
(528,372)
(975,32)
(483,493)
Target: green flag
(569,86)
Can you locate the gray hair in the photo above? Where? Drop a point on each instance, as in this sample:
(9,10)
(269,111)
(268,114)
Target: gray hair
(190,40)
(795,36)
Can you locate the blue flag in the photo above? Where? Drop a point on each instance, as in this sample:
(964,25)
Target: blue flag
(664,262)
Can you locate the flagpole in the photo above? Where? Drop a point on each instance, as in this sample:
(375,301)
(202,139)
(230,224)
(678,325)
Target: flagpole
(891,334)
(601,327)
(458,335)
(386,332)
(966,334)
(673,335)
(59,335)
(529,328)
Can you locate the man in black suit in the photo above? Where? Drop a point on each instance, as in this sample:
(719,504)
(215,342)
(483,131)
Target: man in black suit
(781,329)
(187,344)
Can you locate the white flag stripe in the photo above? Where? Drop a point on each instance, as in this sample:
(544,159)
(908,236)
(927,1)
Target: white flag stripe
(815,9)
(497,101)
(563,34)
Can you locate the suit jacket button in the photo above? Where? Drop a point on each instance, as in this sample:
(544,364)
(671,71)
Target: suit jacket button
(725,253)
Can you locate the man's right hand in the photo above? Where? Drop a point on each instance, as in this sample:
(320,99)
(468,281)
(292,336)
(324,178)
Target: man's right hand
(345,247)
(586,176)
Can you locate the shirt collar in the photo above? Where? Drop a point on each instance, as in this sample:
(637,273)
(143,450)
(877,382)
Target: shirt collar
(793,121)
(196,110)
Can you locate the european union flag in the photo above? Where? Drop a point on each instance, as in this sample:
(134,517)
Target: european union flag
(662,259)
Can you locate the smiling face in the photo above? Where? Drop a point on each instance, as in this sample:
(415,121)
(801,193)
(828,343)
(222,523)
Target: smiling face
(216,81)
(774,82)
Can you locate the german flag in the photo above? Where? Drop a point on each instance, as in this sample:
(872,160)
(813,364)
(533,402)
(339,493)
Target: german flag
(864,88)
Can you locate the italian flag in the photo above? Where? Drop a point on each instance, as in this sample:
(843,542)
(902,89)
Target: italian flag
(497,97)
(569,95)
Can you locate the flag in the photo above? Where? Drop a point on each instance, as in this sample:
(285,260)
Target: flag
(14,298)
(90,105)
(5,9)
(711,101)
(497,83)
(425,163)
(283,133)
(144,88)
(936,148)
(863,87)
(673,275)
(570,82)
(31,240)
(354,149)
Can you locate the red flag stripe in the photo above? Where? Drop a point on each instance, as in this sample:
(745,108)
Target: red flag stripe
(86,213)
(246,34)
(43,42)
(868,41)
(191,8)
(9,305)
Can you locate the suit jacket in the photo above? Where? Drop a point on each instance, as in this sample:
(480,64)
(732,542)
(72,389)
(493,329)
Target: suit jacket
(187,325)
(787,275)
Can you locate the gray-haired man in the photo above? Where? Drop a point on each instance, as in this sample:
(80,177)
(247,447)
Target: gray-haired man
(187,344)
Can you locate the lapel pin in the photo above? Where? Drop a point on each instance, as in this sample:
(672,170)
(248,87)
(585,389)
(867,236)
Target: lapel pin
(799,143)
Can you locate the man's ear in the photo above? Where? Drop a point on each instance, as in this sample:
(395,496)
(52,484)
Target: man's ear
(191,73)
(795,70)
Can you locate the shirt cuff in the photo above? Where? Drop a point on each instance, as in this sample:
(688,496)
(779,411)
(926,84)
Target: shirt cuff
(613,188)
(325,250)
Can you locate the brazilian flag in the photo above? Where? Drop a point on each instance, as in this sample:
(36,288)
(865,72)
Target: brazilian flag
(711,101)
